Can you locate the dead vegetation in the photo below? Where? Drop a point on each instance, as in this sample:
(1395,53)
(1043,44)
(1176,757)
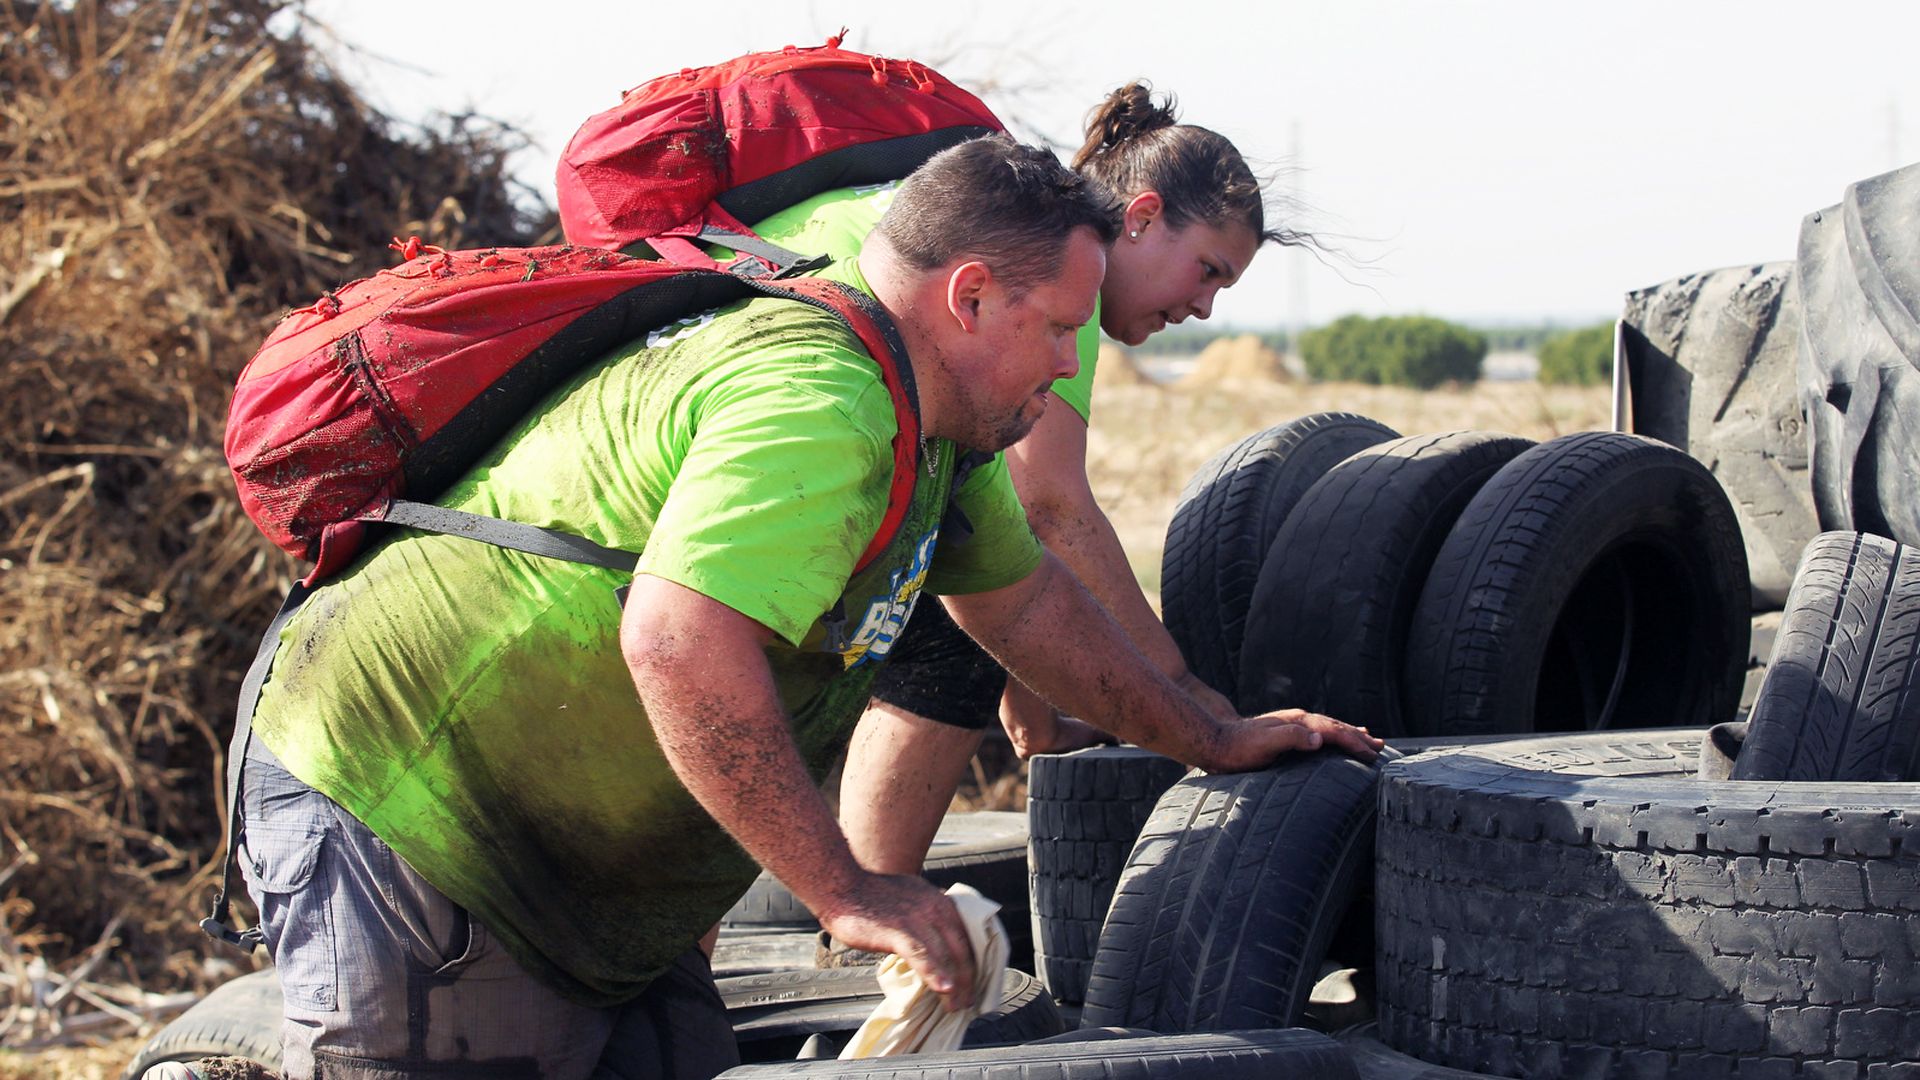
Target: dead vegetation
(173,177)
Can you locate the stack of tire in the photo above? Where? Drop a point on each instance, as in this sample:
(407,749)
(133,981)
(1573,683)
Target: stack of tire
(1543,916)
(1460,584)
(1439,589)
(1601,903)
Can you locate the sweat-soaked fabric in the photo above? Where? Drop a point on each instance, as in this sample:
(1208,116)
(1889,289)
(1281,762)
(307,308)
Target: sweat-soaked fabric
(471,706)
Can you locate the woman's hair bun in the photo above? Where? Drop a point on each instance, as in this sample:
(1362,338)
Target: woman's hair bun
(1126,114)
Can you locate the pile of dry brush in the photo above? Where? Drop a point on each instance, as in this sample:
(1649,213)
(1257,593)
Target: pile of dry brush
(173,177)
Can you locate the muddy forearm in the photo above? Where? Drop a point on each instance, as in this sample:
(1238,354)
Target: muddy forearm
(1049,631)
(703,678)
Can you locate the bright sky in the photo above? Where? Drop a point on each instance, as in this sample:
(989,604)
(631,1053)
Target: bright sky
(1489,161)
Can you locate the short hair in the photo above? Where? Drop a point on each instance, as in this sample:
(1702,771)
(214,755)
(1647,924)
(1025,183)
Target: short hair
(1009,205)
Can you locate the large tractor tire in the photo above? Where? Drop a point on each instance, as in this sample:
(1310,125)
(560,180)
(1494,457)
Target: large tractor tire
(1585,906)
(1859,278)
(1711,363)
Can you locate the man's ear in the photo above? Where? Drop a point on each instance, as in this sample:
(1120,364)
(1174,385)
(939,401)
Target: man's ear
(966,288)
(1142,210)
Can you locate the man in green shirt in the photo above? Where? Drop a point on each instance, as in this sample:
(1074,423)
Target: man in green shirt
(475,852)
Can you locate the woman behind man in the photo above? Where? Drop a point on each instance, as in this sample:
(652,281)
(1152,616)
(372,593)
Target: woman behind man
(1194,218)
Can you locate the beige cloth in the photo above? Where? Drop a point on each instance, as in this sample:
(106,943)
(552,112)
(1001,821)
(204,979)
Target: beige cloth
(911,1019)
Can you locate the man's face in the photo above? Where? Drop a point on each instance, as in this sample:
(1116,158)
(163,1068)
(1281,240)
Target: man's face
(1006,368)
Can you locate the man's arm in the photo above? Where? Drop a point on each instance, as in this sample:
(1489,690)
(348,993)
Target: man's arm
(1048,630)
(702,675)
(1049,470)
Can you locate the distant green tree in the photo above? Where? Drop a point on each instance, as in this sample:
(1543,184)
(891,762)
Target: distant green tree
(1518,337)
(1405,350)
(1580,357)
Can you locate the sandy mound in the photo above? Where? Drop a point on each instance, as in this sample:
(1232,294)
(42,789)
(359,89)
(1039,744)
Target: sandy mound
(1117,367)
(1237,359)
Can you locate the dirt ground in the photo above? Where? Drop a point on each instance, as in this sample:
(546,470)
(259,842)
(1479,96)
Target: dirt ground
(102,1062)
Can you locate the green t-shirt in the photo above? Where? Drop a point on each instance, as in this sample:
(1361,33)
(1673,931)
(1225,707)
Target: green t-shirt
(837,222)
(471,706)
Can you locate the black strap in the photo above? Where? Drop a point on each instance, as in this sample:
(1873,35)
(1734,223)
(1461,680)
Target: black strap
(768,252)
(516,535)
(216,924)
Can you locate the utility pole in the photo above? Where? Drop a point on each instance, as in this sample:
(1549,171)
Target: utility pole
(1894,160)
(1297,257)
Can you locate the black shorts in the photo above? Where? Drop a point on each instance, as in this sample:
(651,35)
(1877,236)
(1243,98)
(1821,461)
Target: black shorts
(935,670)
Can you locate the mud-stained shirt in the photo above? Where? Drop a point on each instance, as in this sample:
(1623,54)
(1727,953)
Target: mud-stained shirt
(471,706)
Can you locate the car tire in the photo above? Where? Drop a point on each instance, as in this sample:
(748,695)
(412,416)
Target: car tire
(755,950)
(1584,906)
(1224,523)
(1084,812)
(1232,897)
(1237,1055)
(1596,581)
(1841,697)
(239,1018)
(1375,1060)
(1327,628)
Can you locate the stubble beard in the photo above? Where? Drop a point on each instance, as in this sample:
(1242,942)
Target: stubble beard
(986,427)
(999,432)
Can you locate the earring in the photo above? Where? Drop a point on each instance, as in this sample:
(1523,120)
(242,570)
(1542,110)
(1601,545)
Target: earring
(1134,233)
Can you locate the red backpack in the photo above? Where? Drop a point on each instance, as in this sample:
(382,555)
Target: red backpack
(369,403)
(396,383)
(692,155)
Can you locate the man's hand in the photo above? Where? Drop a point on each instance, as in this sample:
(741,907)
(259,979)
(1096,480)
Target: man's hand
(905,915)
(1254,743)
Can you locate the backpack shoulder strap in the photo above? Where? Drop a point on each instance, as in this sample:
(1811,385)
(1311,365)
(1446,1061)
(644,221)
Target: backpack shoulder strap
(876,330)
(216,924)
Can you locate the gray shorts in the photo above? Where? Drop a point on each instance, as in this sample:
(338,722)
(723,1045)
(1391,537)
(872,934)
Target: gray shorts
(385,978)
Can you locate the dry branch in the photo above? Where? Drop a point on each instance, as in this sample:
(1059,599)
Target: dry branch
(174,176)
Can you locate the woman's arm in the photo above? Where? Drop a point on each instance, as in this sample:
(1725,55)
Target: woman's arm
(1049,470)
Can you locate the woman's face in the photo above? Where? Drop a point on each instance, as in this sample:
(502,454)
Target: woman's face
(1158,275)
